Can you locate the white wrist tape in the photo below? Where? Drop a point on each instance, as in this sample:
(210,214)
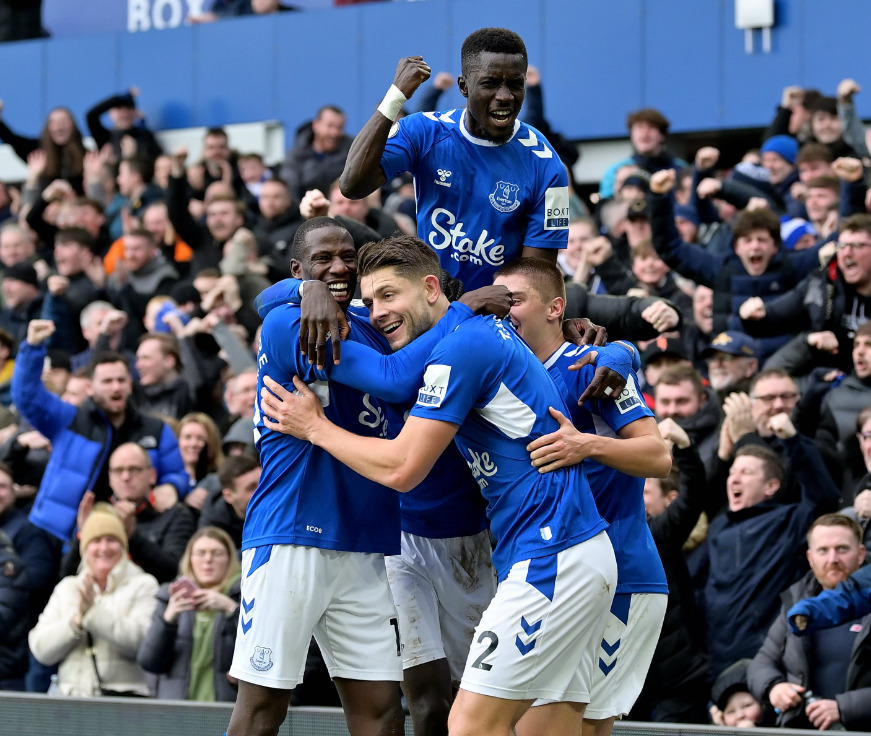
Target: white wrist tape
(392,103)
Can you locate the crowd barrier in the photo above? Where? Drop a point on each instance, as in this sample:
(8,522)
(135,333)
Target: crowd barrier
(41,715)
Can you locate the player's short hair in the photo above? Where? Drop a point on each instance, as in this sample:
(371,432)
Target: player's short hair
(862,417)
(772,466)
(860,223)
(410,256)
(837,520)
(811,152)
(299,248)
(492,40)
(750,220)
(648,115)
(544,277)
(676,374)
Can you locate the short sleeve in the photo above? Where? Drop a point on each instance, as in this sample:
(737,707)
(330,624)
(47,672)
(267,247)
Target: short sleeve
(455,378)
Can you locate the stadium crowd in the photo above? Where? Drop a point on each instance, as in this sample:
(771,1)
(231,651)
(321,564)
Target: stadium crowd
(128,383)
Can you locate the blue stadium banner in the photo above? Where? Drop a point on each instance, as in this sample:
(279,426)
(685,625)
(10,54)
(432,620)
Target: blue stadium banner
(64,19)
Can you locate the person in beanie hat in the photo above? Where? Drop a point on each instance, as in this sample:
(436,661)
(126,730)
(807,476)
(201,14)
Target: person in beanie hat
(797,233)
(779,157)
(95,621)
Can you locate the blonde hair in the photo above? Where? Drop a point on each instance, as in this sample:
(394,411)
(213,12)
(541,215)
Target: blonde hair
(214,453)
(219,535)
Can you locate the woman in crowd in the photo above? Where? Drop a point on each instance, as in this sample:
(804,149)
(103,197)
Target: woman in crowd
(59,151)
(96,620)
(193,632)
(200,447)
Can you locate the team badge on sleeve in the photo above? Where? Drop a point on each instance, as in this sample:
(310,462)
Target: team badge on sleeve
(435,384)
(556,208)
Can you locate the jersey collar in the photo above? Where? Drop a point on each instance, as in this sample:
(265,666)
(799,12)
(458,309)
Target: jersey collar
(481,141)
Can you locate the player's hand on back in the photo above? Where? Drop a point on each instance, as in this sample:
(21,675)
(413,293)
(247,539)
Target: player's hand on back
(488,300)
(295,413)
(567,446)
(411,72)
(321,318)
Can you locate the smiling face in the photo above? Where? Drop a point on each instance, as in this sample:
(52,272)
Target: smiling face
(755,249)
(331,258)
(818,202)
(834,554)
(495,87)
(398,307)
(60,126)
(102,554)
(531,316)
(192,438)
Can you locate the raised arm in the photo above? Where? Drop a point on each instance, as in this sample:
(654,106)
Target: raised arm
(363,173)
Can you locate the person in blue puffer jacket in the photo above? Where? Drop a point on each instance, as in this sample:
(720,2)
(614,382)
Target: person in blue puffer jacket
(82,438)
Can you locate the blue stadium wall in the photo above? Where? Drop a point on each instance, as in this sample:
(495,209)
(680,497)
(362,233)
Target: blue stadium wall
(598,59)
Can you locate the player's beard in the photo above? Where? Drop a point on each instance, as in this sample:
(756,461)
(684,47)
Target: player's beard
(414,323)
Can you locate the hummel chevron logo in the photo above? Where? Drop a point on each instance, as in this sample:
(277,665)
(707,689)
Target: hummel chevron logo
(246,625)
(532,141)
(529,630)
(610,648)
(524,648)
(606,668)
(445,117)
(248,606)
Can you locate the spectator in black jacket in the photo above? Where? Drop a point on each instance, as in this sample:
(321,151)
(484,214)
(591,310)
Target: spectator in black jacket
(225,509)
(224,216)
(278,222)
(676,689)
(14,619)
(128,136)
(156,539)
(161,388)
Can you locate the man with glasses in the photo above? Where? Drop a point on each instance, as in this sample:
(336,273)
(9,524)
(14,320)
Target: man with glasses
(827,307)
(157,540)
(774,398)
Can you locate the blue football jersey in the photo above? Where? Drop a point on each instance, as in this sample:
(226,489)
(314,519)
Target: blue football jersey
(447,503)
(305,496)
(499,393)
(479,203)
(619,497)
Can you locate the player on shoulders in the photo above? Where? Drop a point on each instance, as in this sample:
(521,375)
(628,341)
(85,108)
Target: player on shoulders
(489,188)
